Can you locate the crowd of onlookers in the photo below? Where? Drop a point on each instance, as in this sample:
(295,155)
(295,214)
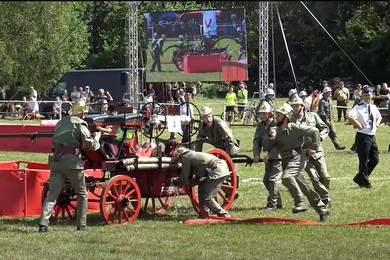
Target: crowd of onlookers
(62,104)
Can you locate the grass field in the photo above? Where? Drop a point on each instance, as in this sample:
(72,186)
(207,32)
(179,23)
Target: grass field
(165,237)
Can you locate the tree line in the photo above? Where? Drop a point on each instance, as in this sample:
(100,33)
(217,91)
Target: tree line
(39,41)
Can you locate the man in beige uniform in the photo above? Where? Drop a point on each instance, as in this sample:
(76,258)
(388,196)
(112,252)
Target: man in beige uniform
(273,162)
(289,138)
(217,131)
(210,172)
(316,166)
(325,112)
(71,134)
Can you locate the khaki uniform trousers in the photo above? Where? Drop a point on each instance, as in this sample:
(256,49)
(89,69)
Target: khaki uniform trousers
(207,191)
(272,179)
(58,175)
(297,185)
(333,134)
(318,174)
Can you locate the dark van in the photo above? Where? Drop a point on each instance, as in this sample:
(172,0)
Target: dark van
(111,80)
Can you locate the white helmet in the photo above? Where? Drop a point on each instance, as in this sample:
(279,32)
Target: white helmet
(302,93)
(292,92)
(326,90)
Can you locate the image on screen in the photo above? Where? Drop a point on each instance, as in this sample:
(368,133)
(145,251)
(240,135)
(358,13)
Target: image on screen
(201,45)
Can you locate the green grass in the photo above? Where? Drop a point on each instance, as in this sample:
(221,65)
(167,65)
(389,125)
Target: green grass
(164,236)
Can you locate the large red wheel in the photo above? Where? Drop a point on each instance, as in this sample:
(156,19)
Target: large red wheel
(155,205)
(179,58)
(225,195)
(66,206)
(120,201)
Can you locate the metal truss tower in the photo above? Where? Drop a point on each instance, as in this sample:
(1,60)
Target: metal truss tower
(263,47)
(132,88)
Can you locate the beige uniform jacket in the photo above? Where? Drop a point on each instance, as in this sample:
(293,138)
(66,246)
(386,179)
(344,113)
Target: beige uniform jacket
(220,135)
(73,131)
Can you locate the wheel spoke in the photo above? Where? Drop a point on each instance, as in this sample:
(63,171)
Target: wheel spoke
(131,209)
(115,191)
(130,191)
(111,196)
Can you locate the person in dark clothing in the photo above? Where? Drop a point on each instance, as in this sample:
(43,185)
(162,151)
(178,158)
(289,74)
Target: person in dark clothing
(157,51)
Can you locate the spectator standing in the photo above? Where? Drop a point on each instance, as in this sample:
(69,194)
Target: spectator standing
(342,95)
(81,93)
(365,117)
(150,89)
(242,98)
(357,95)
(34,100)
(230,99)
(103,95)
(88,94)
(74,94)
(325,111)
(187,110)
(169,96)
(195,90)
(175,90)
(377,99)
(65,95)
(2,93)
(33,94)
(180,96)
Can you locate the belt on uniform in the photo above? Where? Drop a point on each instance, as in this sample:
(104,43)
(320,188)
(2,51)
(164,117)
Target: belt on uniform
(61,150)
(275,160)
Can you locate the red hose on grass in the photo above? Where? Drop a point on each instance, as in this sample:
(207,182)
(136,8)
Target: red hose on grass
(214,219)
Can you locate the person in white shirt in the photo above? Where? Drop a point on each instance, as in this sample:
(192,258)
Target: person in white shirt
(186,109)
(366,118)
(34,106)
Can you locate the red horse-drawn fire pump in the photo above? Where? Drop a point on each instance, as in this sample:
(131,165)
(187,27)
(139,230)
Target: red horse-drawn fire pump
(137,177)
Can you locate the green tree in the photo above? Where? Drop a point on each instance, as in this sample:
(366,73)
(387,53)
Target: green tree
(39,41)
